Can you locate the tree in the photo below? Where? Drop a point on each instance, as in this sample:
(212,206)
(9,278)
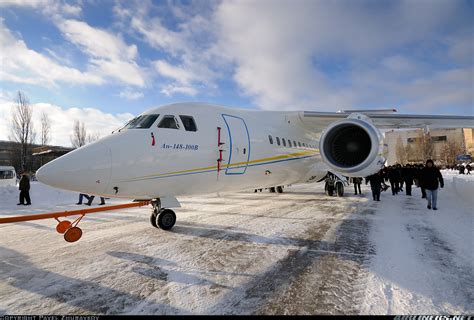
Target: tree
(408,152)
(79,134)
(450,151)
(423,146)
(45,128)
(93,137)
(22,130)
(400,152)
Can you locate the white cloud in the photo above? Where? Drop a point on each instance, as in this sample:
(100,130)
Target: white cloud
(62,121)
(131,95)
(194,65)
(281,52)
(179,74)
(52,8)
(109,54)
(23,65)
(172,89)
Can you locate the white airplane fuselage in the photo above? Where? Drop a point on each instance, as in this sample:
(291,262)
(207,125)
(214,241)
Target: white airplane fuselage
(148,163)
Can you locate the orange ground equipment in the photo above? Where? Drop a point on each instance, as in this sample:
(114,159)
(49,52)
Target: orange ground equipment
(71,231)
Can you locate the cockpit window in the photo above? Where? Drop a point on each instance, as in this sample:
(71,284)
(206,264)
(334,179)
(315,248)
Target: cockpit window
(169,122)
(144,121)
(188,123)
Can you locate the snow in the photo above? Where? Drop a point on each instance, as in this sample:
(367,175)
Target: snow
(299,252)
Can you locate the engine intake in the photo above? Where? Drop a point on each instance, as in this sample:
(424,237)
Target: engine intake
(352,147)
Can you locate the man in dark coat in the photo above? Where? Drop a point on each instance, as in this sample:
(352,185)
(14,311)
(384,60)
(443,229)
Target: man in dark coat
(24,188)
(431,179)
(376,181)
(357,181)
(394,178)
(407,174)
(468,168)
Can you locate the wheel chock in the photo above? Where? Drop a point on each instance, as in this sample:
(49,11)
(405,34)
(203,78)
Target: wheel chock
(63,226)
(73,234)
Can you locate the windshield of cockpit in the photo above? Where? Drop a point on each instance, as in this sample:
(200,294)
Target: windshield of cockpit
(143,121)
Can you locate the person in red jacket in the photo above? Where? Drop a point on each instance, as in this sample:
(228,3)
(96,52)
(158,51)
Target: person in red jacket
(431,179)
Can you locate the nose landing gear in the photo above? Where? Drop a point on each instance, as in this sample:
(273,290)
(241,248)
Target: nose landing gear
(162,218)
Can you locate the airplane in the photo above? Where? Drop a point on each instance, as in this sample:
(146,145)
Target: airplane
(196,148)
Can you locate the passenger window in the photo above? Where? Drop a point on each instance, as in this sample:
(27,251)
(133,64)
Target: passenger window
(144,121)
(188,123)
(278,140)
(289,143)
(283,141)
(299,144)
(168,122)
(294,143)
(270,139)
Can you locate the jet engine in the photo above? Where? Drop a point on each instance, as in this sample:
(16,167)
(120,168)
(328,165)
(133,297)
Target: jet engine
(353,146)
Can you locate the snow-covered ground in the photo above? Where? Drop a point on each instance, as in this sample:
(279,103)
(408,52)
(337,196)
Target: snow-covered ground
(299,252)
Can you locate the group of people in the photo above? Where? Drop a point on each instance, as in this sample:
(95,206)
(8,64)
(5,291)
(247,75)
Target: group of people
(461,168)
(427,177)
(24,187)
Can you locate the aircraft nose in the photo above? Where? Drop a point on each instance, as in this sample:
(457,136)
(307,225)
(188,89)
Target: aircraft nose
(85,170)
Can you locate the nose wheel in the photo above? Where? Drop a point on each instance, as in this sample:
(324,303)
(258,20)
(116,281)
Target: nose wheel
(163,218)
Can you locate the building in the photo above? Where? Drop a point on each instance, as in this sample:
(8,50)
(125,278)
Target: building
(39,155)
(446,144)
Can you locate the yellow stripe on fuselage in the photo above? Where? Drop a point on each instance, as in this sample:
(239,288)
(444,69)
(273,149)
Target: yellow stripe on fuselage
(284,156)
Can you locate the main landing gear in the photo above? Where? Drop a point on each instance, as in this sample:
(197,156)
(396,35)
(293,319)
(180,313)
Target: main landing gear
(278,189)
(333,185)
(162,218)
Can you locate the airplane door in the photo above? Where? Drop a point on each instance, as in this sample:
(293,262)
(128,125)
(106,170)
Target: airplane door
(239,145)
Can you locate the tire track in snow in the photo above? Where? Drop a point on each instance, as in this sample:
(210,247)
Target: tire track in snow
(320,277)
(455,274)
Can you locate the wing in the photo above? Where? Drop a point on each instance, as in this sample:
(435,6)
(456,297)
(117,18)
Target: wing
(390,121)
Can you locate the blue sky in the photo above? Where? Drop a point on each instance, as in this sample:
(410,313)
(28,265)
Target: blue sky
(114,59)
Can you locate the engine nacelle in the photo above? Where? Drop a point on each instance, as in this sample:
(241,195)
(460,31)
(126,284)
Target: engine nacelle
(353,146)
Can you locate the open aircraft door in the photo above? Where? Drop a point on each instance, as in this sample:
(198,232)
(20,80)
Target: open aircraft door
(239,145)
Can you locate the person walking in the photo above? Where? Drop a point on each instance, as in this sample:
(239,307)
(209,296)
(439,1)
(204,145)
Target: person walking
(407,174)
(24,188)
(91,198)
(394,178)
(468,168)
(357,182)
(417,175)
(431,179)
(81,197)
(376,181)
(399,170)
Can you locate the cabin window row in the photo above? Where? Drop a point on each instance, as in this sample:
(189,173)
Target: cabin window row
(289,143)
(145,121)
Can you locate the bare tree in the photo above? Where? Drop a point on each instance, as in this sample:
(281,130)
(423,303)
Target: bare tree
(450,151)
(45,128)
(79,134)
(93,137)
(409,152)
(400,151)
(423,146)
(22,130)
